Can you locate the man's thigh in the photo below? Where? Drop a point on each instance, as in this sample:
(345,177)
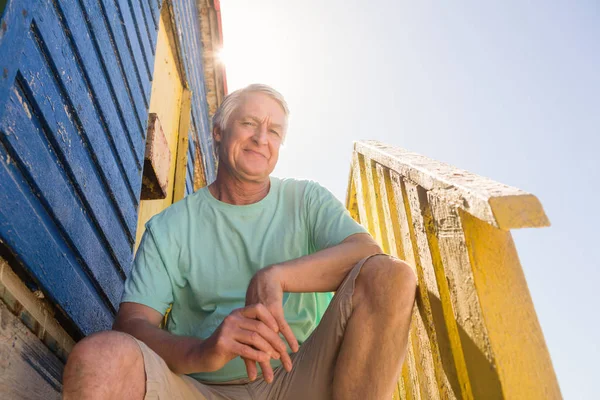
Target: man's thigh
(313,365)
(162,383)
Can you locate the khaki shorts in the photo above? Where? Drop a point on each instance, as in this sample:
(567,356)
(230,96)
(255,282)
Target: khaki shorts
(311,376)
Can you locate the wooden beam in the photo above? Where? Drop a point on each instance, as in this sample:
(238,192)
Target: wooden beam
(182,145)
(28,370)
(499,205)
(522,360)
(38,314)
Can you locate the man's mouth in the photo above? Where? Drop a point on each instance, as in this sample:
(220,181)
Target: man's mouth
(256,153)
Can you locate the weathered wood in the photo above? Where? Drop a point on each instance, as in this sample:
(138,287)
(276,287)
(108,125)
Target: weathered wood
(497,204)
(28,370)
(166,102)
(189,32)
(448,337)
(351,196)
(409,374)
(433,319)
(363,200)
(181,165)
(373,191)
(19,298)
(423,361)
(522,360)
(157,161)
(199,173)
(474,343)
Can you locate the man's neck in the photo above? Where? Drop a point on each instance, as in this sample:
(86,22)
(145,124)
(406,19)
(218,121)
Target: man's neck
(233,190)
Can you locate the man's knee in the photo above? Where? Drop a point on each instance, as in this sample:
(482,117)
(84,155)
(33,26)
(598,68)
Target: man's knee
(104,353)
(386,282)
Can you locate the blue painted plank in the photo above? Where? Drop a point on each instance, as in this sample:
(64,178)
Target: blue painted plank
(151,28)
(36,152)
(97,82)
(83,146)
(111,62)
(26,227)
(155,10)
(14,26)
(54,47)
(188,32)
(120,18)
(137,81)
(131,11)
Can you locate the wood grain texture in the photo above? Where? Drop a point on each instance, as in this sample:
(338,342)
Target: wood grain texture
(72,108)
(34,311)
(28,370)
(498,204)
(188,31)
(521,357)
(166,103)
(181,165)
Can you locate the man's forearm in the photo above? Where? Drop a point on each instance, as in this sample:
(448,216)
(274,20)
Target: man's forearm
(325,270)
(175,350)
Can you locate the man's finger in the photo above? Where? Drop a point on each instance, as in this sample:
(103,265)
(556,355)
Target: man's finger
(267,371)
(251,369)
(267,333)
(260,312)
(285,329)
(248,352)
(274,339)
(255,340)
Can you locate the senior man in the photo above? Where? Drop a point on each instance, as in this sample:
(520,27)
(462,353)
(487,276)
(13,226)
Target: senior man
(248,265)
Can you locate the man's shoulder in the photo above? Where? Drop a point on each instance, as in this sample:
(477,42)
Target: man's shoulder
(177,214)
(298,186)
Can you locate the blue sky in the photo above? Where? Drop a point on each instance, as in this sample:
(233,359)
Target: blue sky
(507,89)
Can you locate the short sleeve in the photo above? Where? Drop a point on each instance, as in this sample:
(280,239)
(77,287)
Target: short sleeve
(149,282)
(329,223)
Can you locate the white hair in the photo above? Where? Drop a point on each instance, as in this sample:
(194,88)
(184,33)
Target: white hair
(232,101)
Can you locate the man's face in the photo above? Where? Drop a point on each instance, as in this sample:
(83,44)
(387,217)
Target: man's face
(249,147)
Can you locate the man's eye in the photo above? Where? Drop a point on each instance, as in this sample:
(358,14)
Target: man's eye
(274,131)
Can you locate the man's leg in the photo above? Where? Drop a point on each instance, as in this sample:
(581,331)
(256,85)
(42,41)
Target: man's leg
(105,365)
(376,336)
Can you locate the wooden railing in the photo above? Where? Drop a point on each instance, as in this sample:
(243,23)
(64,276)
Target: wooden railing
(474,332)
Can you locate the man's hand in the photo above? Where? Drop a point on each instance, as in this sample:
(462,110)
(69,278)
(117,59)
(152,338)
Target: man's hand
(266,289)
(249,332)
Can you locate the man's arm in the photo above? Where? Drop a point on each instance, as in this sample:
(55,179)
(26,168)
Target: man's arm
(185,355)
(143,322)
(325,270)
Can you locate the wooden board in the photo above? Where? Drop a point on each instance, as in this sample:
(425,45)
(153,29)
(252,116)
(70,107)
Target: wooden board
(495,203)
(73,109)
(28,370)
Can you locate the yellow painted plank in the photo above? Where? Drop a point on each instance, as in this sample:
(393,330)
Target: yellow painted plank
(498,204)
(476,349)
(371,190)
(421,341)
(360,184)
(199,175)
(351,198)
(165,101)
(430,306)
(449,339)
(522,360)
(409,374)
(182,146)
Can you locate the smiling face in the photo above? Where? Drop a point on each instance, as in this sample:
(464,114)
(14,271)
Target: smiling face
(249,146)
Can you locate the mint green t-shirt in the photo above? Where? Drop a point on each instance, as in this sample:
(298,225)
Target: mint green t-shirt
(200,254)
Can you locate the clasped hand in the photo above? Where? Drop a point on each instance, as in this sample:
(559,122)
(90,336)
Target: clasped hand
(252,332)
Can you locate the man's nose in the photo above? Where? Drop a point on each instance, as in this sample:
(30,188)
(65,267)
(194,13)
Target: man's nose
(260,135)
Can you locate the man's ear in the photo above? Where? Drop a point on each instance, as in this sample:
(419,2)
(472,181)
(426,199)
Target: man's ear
(217,136)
